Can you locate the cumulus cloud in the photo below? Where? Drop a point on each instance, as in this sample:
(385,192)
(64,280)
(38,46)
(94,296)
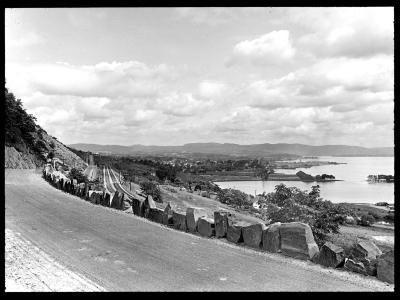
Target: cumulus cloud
(271,48)
(211,89)
(129,78)
(338,82)
(182,104)
(25,40)
(347,32)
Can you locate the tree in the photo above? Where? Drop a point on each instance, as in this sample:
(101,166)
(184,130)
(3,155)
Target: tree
(78,175)
(151,188)
(288,204)
(50,155)
(234,197)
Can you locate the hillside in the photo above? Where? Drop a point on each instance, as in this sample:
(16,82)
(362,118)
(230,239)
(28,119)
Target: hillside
(255,150)
(27,144)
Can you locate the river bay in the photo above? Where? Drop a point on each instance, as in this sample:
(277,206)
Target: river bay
(353,189)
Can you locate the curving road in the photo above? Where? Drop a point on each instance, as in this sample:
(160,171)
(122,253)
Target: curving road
(121,252)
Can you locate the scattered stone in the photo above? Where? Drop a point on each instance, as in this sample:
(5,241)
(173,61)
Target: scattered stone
(366,249)
(179,219)
(167,216)
(206,227)
(221,223)
(192,217)
(156,215)
(330,255)
(271,238)
(385,267)
(353,266)
(297,240)
(252,234)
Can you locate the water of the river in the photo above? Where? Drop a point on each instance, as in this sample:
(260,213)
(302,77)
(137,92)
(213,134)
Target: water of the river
(354,187)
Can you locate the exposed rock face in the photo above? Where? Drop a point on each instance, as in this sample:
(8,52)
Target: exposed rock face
(385,267)
(252,234)
(156,215)
(297,240)
(353,266)
(167,216)
(192,217)
(234,233)
(206,227)
(366,249)
(221,223)
(330,255)
(19,160)
(137,207)
(179,219)
(271,238)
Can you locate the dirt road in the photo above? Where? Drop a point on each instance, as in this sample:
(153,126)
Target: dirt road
(113,250)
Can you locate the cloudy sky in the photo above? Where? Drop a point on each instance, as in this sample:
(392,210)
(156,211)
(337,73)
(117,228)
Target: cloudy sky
(169,76)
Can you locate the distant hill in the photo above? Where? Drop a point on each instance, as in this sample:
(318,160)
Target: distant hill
(256,150)
(26,143)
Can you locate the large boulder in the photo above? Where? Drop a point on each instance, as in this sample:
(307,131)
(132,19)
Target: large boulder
(206,227)
(221,223)
(370,265)
(330,255)
(234,233)
(354,266)
(297,240)
(87,188)
(252,234)
(148,204)
(126,203)
(366,249)
(106,199)
(156,215)
(117,200)
(167,216)
(179,218)
(271,238)
(137,207)
(192,217)
(95,197)
(385,267)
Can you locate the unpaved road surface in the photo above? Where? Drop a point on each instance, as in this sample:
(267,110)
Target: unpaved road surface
(112,250)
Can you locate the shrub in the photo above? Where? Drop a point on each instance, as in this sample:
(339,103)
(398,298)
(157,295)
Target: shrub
(367,220)
(234,197)
(78,175)
(288,204)
(151,188)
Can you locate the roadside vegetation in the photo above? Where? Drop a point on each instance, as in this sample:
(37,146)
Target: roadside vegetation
(21,131)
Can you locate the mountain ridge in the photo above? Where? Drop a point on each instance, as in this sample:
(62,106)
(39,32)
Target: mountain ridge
(238,149)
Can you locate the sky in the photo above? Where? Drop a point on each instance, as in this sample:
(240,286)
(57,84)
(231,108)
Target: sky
(170,76)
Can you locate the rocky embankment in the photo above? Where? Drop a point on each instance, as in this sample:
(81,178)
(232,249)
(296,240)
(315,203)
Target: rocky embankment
(20,160)
(24,158)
